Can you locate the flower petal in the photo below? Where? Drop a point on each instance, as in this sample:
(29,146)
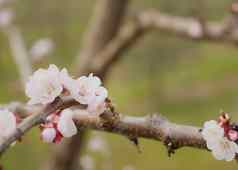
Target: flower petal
(66,124)
(48,135)
(44,86)
(8,123)
(212,131)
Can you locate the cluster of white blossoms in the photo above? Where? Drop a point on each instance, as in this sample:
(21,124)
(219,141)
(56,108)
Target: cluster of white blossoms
(221,138)
(45,85)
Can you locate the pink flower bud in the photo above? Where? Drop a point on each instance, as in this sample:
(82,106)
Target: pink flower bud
(233,135)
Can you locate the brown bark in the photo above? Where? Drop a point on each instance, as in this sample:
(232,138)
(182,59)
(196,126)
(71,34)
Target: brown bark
(106,22)
(153,126)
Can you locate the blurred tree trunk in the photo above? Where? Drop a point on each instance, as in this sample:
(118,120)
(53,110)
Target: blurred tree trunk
(106,21)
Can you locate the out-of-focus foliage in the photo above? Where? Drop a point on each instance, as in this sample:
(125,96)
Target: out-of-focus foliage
(189,82)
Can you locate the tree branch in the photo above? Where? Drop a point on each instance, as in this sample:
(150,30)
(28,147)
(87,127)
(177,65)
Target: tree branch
(152,126)
(35,119)
(126,37)
(190,27)
(21,109)
(19,53)
(185,27)
(107,18)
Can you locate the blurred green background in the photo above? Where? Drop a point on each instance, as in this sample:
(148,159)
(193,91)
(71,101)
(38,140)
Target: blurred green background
(187,81)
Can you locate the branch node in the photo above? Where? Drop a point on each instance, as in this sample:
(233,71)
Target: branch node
(170,146)
(135,141)
(110,115)
(110,105)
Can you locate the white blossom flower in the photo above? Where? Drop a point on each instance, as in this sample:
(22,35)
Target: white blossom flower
(221,147)
(97,105)
(224,149)
(44,86)
(41,48)
(96,108)
(84,91)
(48,135)
(8,124)
(68,82)
(88,90)
(81,112)
(66,125)
(101,93)
(212,132)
